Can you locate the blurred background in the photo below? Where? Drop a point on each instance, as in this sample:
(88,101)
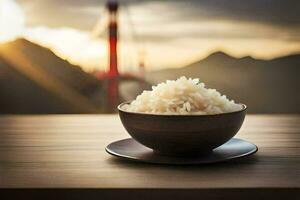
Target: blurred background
(86,56)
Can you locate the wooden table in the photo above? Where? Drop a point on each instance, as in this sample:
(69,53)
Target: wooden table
(63,157)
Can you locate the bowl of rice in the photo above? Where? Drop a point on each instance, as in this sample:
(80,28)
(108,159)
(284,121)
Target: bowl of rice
(182,117)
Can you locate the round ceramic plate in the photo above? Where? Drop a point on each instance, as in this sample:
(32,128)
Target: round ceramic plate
(132,150)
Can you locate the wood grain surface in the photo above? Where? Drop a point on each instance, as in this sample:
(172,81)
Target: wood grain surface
(67,152)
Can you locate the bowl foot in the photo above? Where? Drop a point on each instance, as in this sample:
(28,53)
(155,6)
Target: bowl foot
(183,154)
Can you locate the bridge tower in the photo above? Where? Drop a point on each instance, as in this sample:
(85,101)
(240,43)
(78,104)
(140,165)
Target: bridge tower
(112,7)
(113,74)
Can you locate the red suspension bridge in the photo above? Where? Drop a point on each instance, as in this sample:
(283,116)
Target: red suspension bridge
(113,76)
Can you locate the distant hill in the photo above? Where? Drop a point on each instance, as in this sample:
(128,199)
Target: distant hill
(266,86)
(34,80)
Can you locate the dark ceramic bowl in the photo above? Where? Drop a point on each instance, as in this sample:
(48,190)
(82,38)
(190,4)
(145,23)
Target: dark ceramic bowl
(182,134)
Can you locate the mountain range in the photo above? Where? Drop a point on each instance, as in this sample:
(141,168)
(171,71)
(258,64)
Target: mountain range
(34,80)
(265,86)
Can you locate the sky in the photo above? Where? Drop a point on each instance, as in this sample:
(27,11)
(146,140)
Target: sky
(165,34)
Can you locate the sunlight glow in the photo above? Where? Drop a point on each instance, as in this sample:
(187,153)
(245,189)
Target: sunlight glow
(11,20)
(78,47)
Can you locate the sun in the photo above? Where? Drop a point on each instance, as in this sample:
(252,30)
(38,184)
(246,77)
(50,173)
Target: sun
(12,20)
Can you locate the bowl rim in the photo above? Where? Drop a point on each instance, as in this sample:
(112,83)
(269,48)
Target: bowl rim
(179,115)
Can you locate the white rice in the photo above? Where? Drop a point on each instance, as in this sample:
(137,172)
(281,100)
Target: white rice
(182,96)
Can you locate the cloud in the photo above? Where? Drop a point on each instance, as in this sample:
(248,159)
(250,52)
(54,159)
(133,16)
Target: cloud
(190,28)
(155,20)
(60,13)
(276,12)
